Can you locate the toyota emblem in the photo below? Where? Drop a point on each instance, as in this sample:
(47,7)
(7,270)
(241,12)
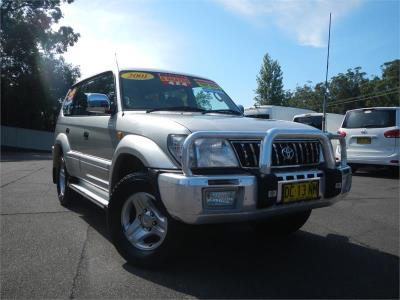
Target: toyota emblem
(287,153)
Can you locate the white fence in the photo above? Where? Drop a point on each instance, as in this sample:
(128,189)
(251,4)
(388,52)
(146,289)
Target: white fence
(26,138)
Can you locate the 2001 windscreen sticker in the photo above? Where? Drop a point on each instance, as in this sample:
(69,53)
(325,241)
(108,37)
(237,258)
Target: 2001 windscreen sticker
(137,76)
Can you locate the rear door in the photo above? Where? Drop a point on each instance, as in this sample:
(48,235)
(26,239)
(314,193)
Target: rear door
(365,132)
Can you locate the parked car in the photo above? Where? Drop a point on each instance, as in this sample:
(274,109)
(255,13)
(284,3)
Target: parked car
(372,136)
(158,149)
(275,112)
(333,122)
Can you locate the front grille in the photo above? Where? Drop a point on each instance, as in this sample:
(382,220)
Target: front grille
(248,153)
(285,153)
(291,153)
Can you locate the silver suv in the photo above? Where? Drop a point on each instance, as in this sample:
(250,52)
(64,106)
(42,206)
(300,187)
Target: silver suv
(158,149)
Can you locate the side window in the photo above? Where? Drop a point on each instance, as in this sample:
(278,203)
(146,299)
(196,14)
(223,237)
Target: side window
(105,84)
(80,102)
(76,102)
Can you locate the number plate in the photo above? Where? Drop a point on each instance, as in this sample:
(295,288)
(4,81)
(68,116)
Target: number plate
(364,140)
(300,191)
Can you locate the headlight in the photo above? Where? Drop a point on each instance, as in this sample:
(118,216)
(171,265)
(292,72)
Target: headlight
(205,153)
(175,145)
(213,153)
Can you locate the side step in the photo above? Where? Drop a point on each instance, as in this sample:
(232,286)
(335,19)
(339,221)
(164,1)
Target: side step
(96,195)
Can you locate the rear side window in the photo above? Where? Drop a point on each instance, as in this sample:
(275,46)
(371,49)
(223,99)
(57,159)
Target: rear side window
(314,121)
(370,118)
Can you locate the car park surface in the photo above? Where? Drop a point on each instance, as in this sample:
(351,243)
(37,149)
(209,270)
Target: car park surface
(349,250)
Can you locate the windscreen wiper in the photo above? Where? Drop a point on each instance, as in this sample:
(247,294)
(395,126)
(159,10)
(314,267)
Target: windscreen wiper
(176,108)
(222,111)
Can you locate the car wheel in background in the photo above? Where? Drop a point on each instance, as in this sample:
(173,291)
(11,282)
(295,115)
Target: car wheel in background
(354,168)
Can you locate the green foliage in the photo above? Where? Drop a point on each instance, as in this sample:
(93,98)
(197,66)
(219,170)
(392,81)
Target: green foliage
(33,74)
(346,91)
(270,86)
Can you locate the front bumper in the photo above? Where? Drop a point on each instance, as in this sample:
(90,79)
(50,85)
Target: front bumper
(183,196)
(256,196)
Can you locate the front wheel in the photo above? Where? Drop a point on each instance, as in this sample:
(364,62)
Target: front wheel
(140,227)
(65,194)
(283,225)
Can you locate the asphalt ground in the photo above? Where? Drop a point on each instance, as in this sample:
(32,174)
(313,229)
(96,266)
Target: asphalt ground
(350,250)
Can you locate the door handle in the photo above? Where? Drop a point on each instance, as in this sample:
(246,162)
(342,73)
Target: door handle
(86,135)
(67,130)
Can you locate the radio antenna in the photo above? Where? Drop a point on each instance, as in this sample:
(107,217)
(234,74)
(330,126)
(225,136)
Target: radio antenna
(326,78)
(116,60)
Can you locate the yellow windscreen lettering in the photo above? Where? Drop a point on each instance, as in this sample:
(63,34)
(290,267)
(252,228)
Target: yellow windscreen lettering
(137,76)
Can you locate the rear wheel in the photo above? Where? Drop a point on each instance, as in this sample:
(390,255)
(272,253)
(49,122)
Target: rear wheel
(65,194)
(140,227)
(283,225)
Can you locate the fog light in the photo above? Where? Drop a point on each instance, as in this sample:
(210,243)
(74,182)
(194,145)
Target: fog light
(220,198)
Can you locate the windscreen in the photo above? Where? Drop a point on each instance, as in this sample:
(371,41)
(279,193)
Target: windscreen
(314,121)
(370,118)
(153,91)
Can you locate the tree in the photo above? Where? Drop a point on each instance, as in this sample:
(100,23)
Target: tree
(33,73)
(350,90)
(270,86)
(346,86)
(389,85)
(307,96)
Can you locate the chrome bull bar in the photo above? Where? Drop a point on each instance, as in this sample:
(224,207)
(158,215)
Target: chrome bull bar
(267,138)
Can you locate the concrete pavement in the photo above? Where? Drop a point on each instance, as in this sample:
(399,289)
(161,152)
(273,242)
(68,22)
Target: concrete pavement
(350,250)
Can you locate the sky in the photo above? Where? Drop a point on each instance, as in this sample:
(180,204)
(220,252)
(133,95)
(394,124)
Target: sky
(225,40)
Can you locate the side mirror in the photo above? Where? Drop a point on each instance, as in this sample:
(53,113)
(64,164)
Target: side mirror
(98,103)
(241,108)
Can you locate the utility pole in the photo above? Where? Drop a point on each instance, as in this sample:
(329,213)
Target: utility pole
(326,78)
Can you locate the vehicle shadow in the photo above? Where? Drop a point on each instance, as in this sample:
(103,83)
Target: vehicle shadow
(14,156)
(233,261)
(385,173)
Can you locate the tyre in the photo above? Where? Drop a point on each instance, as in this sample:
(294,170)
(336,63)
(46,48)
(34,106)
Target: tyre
(140,227)
(394,171)
(282,225)
(65,194)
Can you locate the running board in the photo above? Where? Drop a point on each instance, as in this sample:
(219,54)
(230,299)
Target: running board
(90,195)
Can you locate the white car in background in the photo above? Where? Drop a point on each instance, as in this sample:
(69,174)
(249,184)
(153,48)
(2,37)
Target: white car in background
(275,112)
(372,136)
(333,122)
